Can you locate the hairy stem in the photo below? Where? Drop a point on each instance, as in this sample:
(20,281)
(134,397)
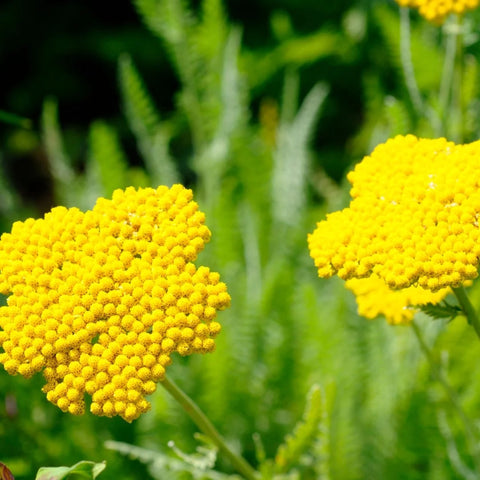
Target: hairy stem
(202,422)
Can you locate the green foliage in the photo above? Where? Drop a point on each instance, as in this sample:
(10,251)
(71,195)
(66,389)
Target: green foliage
(108,158)
(80,471)
(139,108)
(198,465)
(470,98)
(423,42)
(255,173)
(441,310)
(397,116)
(447,102)
(143,118)
(294,51)
(195,47)
(59,162)
(302,441)
(290,159)
(13,119)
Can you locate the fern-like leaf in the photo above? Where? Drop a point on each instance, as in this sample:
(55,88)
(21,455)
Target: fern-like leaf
(140,109)
(176,26)
(441,310)
(144,120)
(304,436)
(230,102)
(162,466)
(165,18)
(60,164)
(397,116)
(108,157)
(172,22)
(213,29)
(203,459)
(291,161)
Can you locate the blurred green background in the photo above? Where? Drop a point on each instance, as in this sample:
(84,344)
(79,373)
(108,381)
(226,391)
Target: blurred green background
(69,50)
(261,108)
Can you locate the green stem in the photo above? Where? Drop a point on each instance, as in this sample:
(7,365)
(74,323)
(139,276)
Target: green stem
(448,69)
(201,420)
(409,74)
(407,65)
(467,308)
(451,394)
(458,122)
(450,95)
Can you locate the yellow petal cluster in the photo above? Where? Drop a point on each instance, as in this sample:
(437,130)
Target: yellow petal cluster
(436,11)
(374,298)
(413,218)
(98,301)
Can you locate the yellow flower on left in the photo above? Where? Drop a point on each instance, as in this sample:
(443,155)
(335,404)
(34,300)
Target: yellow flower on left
(98,301)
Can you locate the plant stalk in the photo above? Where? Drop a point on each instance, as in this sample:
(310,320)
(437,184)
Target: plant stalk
(448,69)
(451,394)
(407,65)
(467,308)
(450,95)
(421,109)
(202,422)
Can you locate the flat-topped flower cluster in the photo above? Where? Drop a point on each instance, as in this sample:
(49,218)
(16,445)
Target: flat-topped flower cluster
(412,221)
(98,301)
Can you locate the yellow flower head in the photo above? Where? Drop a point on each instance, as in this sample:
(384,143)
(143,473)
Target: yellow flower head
(374,298)
(98,301)
(436,11)
(413,218)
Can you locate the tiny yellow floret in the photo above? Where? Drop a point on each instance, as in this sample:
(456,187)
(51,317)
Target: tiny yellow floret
(100,300)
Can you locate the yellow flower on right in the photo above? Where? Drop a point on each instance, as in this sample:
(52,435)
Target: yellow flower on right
(436,11)
(375,298)
(413,222)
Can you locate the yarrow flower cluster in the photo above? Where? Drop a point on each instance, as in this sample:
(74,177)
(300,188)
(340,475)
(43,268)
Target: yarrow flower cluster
(98,301)
(436,11)
(375,298)
(412,221)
